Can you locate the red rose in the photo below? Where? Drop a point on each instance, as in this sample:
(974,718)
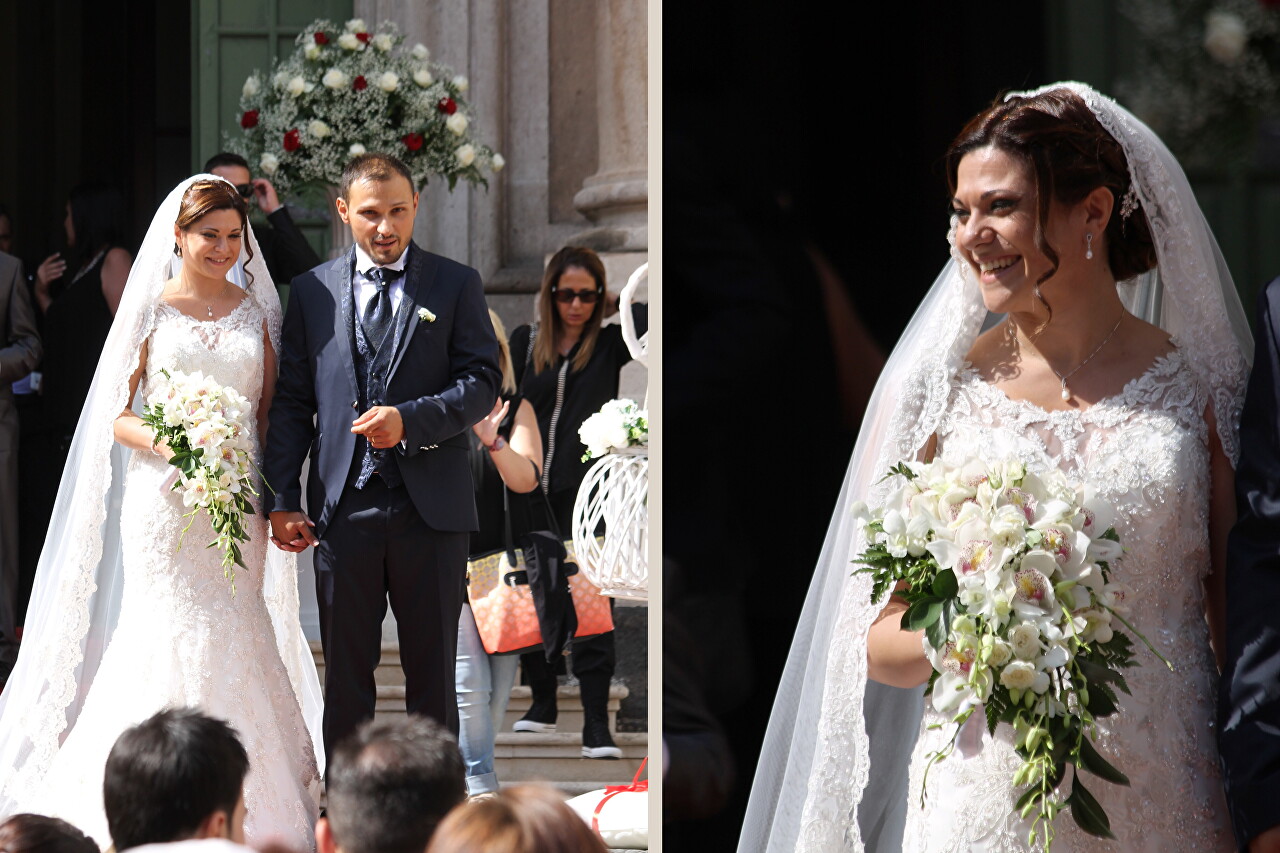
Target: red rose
(249,119)
(447,106)
(360,84)
(412,141)
(364,37)
(321,38)
(291,141)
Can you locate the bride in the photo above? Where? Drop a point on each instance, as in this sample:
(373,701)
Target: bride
(124,620)
(1058,194)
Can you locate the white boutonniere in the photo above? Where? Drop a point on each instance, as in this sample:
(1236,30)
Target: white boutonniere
(426,316)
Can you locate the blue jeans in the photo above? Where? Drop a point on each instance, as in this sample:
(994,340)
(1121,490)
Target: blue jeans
(483,684)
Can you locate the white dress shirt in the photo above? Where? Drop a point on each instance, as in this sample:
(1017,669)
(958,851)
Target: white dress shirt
(365,287)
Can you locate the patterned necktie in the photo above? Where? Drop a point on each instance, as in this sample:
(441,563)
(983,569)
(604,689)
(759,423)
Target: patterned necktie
(377,314)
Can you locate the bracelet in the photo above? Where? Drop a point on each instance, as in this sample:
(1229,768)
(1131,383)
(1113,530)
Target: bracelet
(498,444)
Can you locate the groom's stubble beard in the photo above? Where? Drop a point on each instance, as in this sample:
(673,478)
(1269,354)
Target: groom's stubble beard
(381,215)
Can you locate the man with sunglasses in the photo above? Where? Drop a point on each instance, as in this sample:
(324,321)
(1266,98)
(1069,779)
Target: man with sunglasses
(285,250)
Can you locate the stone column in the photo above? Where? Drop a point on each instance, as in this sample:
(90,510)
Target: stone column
(616,197)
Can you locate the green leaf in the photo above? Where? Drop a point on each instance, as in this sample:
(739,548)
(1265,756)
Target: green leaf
(1092,760)
(922,613)
(945,585)
(1101,701)
(1087,811)
(937,634)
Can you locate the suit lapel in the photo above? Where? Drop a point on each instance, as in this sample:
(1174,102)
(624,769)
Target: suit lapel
(338,279)
(419,277)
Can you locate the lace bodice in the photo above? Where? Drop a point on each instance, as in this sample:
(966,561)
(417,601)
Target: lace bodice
(1145,451)
(229,348)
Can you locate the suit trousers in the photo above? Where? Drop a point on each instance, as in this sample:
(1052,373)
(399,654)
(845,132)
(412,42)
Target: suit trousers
(377,547)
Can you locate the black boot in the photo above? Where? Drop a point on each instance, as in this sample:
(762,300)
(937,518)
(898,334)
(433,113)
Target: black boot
(541,678)
(596,739)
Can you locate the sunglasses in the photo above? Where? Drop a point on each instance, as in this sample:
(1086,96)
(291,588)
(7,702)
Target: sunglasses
(566,297)
(245,190)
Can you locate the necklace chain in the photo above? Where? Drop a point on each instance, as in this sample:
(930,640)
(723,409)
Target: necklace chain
(1063,377)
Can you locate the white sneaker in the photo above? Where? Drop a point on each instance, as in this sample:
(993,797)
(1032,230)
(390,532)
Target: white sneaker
(533,726)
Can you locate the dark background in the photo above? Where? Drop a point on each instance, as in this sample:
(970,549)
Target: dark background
(796,137)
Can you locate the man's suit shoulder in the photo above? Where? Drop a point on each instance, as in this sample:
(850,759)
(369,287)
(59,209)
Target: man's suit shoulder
(10,267)
(448,267)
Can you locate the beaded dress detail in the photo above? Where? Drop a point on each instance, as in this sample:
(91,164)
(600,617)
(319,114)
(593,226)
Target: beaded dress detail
(183,639)
(1145,451)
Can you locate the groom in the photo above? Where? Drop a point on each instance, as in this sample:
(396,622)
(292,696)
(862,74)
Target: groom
(387,357)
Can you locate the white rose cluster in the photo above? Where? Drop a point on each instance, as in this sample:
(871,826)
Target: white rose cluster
(618,425)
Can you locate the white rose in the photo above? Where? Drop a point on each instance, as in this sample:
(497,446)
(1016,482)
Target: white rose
(383,42)
(1022,675)
(1225,37)
(466,155)
(460,83)
(356,149)
(1026,641)
(296,86)
(420,51)
(280,80)
(318,129)
(423,77)
(618,435)
(251,87)
(388,81)
(269,164)
(498,162)
(1000,653)
(311,51)
(348,41)
(457,123)
(335,78)
(356,25)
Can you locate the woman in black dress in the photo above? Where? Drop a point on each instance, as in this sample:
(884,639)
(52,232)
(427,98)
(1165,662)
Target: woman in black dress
(567,367)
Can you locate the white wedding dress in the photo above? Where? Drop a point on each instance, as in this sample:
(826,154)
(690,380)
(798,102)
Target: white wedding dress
(1145,452)
(183,639)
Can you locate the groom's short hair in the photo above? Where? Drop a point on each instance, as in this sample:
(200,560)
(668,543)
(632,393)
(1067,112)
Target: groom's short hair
(169,773)
(372,167)
(391,782)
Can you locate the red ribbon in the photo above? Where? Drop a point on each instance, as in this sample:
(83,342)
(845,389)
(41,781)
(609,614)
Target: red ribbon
(613,790)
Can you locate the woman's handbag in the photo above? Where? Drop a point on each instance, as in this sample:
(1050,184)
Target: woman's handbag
(518,597)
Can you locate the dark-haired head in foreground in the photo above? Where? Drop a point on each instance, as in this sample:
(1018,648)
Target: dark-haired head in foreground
(389,785)
(176,775)
(33,833)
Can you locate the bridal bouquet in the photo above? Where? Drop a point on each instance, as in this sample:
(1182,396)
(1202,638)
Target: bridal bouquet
(348,89)
(204,425)
(618,425)
(1009,574)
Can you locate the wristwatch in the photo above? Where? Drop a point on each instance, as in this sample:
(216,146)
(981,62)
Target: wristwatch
(498,444)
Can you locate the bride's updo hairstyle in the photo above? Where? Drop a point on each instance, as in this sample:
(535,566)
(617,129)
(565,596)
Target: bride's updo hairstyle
(205,197)
(1070,155)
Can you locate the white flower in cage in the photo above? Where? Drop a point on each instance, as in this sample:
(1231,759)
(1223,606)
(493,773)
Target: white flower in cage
(456,123)
(423,77)
(335,78)
(388,81)
(1225,36)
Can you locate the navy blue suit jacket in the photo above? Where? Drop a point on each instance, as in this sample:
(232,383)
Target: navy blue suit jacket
(444,377)
(1249,693)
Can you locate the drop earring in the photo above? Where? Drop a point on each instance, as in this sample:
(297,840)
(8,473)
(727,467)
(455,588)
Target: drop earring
(177,251)
(1088,247)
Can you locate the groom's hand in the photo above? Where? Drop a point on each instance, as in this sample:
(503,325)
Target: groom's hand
(382,425)
(291,531)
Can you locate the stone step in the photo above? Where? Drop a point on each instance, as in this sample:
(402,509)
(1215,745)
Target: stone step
(557,758)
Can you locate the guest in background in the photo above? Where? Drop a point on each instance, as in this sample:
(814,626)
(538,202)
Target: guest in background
(567,366)
(178,774)
(389,785)
(78,310)
(19,353)
(285,250)
(524,819)
(33,833)
(505,454)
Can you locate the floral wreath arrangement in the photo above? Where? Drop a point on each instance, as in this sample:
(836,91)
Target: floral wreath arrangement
(347,90)
(1206,72)
(202,422)
(1009,575)
(618,425)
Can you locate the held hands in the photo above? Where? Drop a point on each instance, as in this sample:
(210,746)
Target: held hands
(381,425)
(487,428)
(291,531)
(265,194)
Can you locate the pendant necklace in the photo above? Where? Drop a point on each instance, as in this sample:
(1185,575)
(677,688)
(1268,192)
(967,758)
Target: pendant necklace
(223,292)
(1063,377)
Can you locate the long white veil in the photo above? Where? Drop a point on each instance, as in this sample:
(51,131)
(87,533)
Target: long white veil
(832,771)
(75,602)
